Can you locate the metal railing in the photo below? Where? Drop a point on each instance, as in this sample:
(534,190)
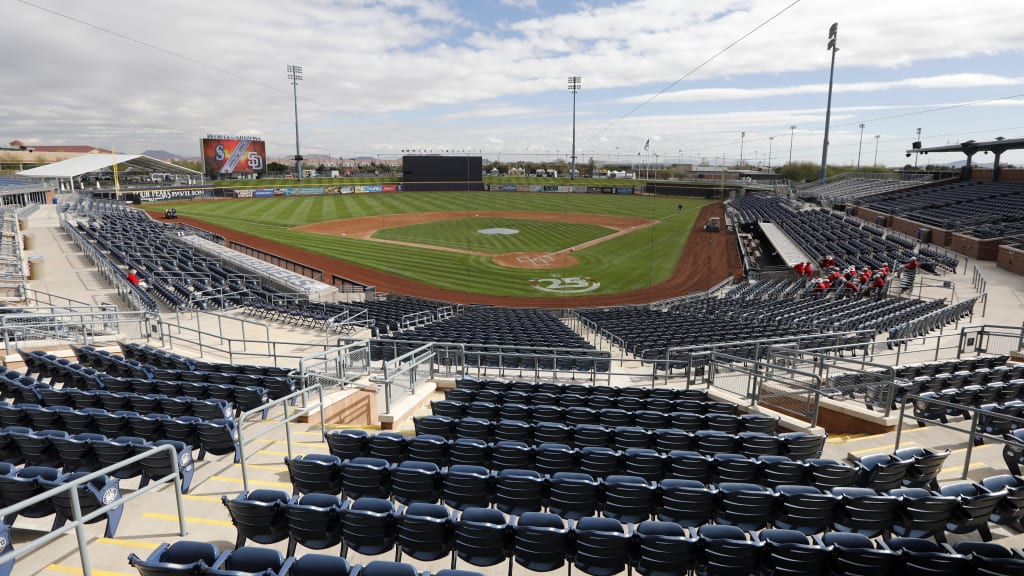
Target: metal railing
(973,431)
(337,367)
(286,422)
(980,284)
(41,298)
(174,333)
(778,388)
(78,520)
(70,327)
(841,376)
(402,373)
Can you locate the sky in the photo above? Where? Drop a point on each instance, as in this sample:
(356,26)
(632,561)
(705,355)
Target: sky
(662,80)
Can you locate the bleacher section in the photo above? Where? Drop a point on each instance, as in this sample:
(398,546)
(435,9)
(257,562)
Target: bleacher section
(754,311)
(848,187)
(821,233)
(961,206)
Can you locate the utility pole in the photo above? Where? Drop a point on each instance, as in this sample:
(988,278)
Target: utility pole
(859,144)
(833,38)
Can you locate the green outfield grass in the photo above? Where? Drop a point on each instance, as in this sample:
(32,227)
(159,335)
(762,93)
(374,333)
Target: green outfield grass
(624,263)
(463,234)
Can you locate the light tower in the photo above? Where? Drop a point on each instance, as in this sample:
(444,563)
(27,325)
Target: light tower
(574,86)
(742,136)
(876,149)
(295,74)
(833,38)
(918,146)
(792,129)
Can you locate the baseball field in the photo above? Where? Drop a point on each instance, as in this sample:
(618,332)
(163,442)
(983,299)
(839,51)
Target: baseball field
(513,248)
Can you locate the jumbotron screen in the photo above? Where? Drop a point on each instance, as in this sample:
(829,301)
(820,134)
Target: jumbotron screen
(231,156)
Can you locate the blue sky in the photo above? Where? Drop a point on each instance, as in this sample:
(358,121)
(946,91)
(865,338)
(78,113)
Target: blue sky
(489,76)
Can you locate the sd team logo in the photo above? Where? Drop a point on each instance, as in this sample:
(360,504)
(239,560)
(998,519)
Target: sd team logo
(567,285)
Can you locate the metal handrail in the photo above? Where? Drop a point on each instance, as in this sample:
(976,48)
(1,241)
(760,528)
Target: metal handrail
(243,344)
(78,521)
(285,401)
(972,431)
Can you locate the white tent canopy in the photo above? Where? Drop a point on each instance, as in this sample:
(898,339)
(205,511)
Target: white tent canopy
(87,163)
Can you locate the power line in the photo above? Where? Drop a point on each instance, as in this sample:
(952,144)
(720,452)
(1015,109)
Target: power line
(198,62)
(694,69)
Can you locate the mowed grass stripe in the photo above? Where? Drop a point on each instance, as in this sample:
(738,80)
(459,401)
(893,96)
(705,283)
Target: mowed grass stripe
(628,262)
(464,234)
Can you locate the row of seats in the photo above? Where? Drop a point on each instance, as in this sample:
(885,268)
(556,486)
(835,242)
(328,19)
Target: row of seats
(566,400)
(395,447)
(679,430)
(191,558)
(600,548)
(71,375)
(179,405)
(277,385)
(88,450)
(927,405)
(909,371)
(652,413)
(476,387)
(374,526)
(19,484)
(159,358)
(330,474)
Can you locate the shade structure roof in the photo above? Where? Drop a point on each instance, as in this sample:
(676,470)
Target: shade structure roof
(87,163)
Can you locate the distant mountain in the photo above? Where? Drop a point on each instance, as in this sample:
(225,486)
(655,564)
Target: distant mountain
(163,155)
(962,163)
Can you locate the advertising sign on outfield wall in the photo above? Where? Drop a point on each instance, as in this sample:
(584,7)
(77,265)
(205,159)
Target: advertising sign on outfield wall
(263,193)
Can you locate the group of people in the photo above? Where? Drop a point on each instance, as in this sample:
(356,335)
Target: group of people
(852,282)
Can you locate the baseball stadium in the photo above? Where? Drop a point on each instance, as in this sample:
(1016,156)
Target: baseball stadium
(459,369)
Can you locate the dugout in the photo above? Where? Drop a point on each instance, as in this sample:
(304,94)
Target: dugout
(435,173)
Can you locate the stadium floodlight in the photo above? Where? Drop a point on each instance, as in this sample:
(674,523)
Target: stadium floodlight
(742,136)
(792,130)
(917,146)
(877,136)
(295,74)
(770,140)
(833,38)
(574,85)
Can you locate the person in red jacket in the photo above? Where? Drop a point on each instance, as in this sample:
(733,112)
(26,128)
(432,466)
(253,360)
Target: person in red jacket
(799,269)
(133,277)
(878,285)
(808,270)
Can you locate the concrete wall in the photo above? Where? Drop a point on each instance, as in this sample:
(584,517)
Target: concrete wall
(1011,259)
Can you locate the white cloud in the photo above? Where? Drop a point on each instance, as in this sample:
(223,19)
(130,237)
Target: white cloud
(388,73)
(957,81)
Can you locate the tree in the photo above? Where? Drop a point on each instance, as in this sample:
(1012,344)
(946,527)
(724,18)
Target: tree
(190,164)
(277,168)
